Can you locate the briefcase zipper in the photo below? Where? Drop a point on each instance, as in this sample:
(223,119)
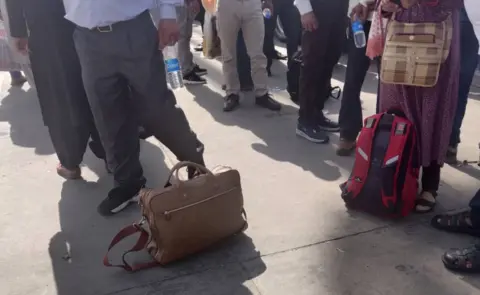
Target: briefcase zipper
(168,213)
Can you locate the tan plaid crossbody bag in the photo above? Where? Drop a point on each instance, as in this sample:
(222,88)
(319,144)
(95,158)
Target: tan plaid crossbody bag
(414,52)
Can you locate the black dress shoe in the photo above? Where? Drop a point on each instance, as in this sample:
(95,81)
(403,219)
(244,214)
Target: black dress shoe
(232,102)
(266,101)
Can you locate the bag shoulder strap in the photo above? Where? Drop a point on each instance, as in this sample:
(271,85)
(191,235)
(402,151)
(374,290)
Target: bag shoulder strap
(139,246)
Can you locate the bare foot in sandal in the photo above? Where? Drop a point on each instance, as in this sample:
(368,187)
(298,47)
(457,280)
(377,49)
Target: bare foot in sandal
(426,202)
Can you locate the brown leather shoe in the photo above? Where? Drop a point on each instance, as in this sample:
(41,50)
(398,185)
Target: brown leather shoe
(345,147)
(69,174)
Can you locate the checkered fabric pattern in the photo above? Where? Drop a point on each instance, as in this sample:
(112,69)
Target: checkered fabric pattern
(414,52)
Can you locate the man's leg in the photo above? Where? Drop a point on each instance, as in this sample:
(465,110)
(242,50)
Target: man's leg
(69,143)
(269,36)
(154,102)
(290,18)
(350,118)
(335,41)
(475,210)
(314,49)
(243,64)
(228,24)
(200,17)
(469,59)
(253,34)
(185,56)
(101,56)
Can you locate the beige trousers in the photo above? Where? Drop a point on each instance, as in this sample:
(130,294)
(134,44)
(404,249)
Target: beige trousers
(245,15)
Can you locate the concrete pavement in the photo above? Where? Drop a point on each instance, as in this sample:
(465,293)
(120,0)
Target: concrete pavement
(301,238)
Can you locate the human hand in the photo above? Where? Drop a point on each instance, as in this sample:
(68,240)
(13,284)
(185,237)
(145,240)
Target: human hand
(168,32)
(389,6)
(359,12)
(193,6)
(21,44)
(268,4)
(309,21)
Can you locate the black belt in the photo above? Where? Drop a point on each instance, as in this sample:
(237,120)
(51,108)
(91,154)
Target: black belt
(110,28)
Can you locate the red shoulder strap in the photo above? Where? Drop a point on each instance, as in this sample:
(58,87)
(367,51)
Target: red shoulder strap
(139,245)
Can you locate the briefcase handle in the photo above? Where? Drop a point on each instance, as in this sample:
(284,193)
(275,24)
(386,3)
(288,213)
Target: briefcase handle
(176,168)
(139,246)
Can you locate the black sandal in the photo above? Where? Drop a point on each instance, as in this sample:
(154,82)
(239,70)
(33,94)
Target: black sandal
(463,260)
(426,203)
(455,223)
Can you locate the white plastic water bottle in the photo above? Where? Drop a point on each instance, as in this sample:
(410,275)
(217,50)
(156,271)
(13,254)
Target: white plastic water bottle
(358,34)
(172,67)
(267,13)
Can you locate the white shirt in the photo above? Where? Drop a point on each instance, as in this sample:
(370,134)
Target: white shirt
(96,13)
(305,7)
(473,11)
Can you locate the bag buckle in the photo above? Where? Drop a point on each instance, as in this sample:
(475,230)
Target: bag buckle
(105,29)
(140,223)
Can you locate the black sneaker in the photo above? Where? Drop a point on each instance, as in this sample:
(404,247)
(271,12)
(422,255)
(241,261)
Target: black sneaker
(313,134)
(193,78)
(294,97)
(266,101)
(451,158)
(199,47)
(326,124)
(231,102)
(200,147)
(118,199)
(199,71)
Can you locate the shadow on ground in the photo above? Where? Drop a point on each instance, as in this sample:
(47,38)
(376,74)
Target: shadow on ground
(77,251)
(20,109)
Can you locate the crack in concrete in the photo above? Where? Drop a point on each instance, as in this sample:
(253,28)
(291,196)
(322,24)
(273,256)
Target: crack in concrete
(241,262)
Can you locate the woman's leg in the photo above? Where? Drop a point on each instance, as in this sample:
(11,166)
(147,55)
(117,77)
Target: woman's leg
(431,178)
(430,184)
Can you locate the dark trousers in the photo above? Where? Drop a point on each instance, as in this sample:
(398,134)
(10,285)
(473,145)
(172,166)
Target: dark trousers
(468,65)
(70,143)
(475,210)
(320,50)
(243,63)
(200,17)
(290,18)
(431,177)
(350,117)
(112,62)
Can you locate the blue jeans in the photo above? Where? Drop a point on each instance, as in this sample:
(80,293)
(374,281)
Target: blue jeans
(468,65)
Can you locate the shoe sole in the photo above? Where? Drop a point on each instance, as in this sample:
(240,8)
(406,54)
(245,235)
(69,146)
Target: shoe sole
(304,135)
(337,129)
(125,204)
(194,82)
(227,110)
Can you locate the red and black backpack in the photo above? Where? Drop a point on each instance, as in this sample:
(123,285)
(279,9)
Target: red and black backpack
(384,180)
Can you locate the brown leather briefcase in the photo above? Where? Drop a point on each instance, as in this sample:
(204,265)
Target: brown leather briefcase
(186,217)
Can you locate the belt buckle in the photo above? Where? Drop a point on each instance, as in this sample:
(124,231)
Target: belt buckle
(105,29)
